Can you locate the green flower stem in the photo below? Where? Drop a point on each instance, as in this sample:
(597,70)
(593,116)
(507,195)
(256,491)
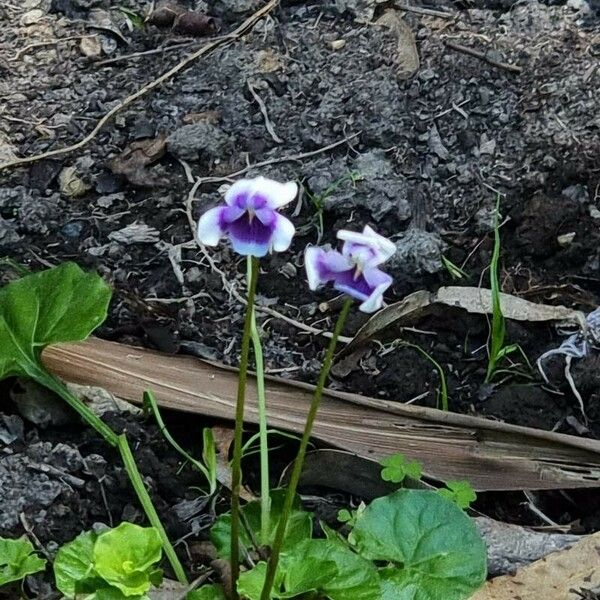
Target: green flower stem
(265,496)
(236,465)
(298,463)
(120,442)
(146,502)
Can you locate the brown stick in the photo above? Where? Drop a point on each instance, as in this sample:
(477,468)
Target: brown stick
(238,32)
(484,57)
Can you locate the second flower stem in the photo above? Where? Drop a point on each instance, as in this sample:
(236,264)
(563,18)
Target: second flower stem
(236,464)
(265,496)
(299,462)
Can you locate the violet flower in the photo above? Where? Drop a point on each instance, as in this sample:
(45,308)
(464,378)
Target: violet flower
(354,270)
(250,219)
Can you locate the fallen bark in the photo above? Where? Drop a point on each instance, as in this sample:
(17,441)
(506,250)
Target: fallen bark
(490,454)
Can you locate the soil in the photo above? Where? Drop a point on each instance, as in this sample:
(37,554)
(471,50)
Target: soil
(430,139)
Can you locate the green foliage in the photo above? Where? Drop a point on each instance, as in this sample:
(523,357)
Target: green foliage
(73,566)
(454,270)
(443,392)
(498,327)
(299,526)
(62,304)
(18,559)
(324,567)
(209,468)
(433,545)
(318,200)
(118,564)
(207,592)
(459,492)
(397,467)
(124,557)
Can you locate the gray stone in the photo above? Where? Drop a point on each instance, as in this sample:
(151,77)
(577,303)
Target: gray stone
(198,141)
(379,190)
(417,252)
(8,233)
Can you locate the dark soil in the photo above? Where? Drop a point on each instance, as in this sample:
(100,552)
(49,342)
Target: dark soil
(432,148)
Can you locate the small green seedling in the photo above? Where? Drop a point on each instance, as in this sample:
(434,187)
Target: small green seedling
(18,559)
(397,467)
(318,200)
(349,517)
(209,453)
(459,492)
(118,564)
(497,348)
(454,270)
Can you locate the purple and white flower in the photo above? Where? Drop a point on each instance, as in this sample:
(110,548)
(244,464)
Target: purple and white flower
(354,270)
(250,219)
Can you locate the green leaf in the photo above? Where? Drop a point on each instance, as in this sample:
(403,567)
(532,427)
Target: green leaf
(459,492)
(18,559)
(209,456)
(124,557)
(397,467)
(207,592)
(438,551)
(74,568)
(62,304)
(325,567)
(299,526)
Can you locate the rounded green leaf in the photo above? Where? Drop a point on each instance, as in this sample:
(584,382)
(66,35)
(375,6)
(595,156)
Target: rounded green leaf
(73,564)
(62,304)
(124,557)
(435,546)
(18,559)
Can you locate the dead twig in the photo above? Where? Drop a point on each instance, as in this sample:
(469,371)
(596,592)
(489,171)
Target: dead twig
(430,12)
(234,35)
(122,57)
(22,51)
(265,114)
(483,56)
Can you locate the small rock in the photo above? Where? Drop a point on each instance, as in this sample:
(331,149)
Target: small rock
(71,185)
(197,141)
(377,188)
(418,252)
(11,429)
(337,44)
(8,233)
(32,17)
(566,239)
(39,405)
(594,212)
(435,143)
(136,233)
(91,47)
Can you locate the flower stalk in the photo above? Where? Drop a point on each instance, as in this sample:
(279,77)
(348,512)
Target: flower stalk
(236,465)
(265,495)
(299,462)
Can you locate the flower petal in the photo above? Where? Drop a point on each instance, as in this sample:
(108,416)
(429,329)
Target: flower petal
(323,266)
(275,193)
(250,238)
(239,193)
(367,248)
(381,282)
(210,226)
(368,287)
(283,233)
